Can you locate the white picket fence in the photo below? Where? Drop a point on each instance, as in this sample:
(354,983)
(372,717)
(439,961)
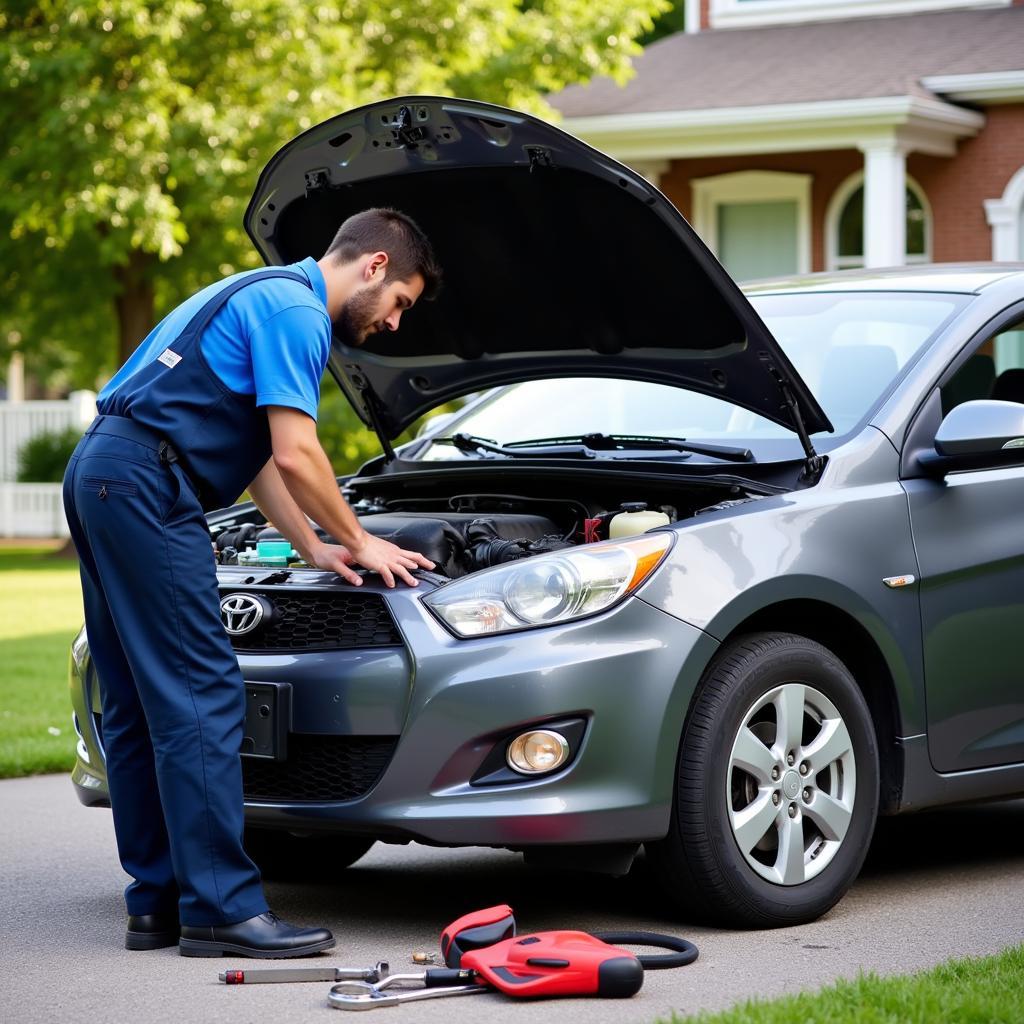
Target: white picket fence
(35,510)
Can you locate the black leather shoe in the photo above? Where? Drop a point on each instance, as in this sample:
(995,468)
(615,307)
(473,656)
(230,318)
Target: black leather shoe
(152,931)
(265,936)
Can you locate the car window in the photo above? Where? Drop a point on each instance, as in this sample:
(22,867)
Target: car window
(995,370)
(848,347)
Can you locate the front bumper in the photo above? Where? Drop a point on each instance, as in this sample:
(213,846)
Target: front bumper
(629,673)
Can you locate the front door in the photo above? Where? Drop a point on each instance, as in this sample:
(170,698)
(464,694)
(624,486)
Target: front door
(758,239)
(969,534)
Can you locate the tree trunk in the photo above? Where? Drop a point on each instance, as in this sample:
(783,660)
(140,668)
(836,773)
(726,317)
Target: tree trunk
(134,303)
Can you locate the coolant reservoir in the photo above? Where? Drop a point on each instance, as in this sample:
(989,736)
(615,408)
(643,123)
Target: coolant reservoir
(635,518)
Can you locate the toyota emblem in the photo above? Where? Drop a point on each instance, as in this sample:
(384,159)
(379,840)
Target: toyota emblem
(241,613)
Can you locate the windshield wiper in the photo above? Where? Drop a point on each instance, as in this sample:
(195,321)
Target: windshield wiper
(618,442)
(471,443)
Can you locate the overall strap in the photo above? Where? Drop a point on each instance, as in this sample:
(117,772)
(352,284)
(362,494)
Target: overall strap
(199,322)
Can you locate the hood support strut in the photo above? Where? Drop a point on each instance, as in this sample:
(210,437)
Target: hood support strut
(372,405)
(814,463)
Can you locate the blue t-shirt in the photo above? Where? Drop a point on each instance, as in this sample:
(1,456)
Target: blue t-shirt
(270,340)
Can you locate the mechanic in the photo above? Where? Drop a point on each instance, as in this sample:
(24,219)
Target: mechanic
(221,396)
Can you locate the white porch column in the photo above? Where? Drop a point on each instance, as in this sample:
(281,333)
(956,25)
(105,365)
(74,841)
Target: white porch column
(885,204)
(652,170)
(1006,218)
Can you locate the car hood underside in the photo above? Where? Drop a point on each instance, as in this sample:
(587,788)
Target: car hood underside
(558,261)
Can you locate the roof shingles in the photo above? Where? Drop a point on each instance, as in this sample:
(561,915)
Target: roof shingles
(799,63)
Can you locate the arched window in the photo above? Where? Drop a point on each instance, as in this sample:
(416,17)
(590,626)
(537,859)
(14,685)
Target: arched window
(844,225)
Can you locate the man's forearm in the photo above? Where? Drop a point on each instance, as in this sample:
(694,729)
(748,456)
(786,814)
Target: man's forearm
(310,480)
(272,498)
(306,472)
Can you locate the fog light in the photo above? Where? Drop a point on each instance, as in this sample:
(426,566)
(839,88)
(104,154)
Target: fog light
(538,751)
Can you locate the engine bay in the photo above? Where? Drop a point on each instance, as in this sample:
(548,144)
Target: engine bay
(464,533)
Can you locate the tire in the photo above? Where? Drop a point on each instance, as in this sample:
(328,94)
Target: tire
(804,837)
(282,856)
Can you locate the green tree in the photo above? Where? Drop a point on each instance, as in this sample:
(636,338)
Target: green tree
(134,131)
(671,21)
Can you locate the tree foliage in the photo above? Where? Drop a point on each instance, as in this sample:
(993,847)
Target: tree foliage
(134,131)
(43,458)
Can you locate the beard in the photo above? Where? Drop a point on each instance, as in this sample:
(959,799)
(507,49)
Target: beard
(358,314)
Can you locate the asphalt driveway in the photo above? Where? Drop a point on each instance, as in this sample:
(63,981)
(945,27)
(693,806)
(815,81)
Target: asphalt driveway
(936,885)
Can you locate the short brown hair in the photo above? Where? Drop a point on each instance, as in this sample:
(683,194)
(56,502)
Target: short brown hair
(391,231)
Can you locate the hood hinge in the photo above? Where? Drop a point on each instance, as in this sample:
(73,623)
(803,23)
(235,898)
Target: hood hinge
(373,407)
(814,463)
(317,180)
(539,156)
(403,130)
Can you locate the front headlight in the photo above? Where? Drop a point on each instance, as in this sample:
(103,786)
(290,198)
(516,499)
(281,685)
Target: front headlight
(546,589)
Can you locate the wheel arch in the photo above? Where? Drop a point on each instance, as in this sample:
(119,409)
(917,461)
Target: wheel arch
(857,649)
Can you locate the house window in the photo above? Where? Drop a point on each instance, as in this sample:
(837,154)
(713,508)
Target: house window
(844,225)
(747,13)
(756,222)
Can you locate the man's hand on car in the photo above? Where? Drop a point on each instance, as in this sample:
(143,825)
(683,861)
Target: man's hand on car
(375,554)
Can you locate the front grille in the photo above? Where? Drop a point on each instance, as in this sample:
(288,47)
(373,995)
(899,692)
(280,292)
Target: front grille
(319,621)
(319,768)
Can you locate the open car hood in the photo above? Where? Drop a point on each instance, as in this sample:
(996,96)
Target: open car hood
(558,261)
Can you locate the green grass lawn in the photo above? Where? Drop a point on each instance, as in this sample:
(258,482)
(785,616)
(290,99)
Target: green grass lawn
(976,990)
(40,613)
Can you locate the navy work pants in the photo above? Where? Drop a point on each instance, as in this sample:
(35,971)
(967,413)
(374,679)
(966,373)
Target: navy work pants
(173,700)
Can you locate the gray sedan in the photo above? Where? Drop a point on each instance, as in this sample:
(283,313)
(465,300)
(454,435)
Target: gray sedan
(723,574)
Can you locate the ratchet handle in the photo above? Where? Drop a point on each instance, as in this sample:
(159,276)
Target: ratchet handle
(438,977)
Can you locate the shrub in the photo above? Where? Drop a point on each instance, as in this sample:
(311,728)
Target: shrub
(43,458)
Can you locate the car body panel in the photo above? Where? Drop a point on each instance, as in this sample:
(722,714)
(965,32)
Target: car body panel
(597,273)
(971,549)
(965,278)
(367,695)
(832,544)
(629,672)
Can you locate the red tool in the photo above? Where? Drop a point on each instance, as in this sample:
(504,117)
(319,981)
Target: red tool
(482,951)
(476,930)
(557,964)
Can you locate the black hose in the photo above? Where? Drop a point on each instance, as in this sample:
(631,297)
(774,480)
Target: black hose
(685,952)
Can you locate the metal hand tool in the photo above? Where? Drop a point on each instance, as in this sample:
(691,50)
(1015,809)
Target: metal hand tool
(267,975)
(361,995)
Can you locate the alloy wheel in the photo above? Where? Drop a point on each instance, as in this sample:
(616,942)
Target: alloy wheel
(791,783)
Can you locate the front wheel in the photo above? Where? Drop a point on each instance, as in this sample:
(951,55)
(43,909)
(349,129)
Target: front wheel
(776,792)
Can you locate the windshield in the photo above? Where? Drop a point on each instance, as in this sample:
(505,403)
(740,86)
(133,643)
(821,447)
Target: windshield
(848,347)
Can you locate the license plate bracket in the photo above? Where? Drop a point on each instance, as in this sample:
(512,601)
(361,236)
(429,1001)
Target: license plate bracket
(268,719)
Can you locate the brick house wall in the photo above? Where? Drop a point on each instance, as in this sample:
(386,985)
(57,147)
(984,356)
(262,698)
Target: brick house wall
(828,169)
(956,187)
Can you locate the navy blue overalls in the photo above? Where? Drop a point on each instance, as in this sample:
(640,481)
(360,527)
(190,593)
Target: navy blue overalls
(173,699)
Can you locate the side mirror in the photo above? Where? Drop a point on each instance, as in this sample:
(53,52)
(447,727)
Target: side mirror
(978,435)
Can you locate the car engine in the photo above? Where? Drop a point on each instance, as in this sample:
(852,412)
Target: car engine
(472,531)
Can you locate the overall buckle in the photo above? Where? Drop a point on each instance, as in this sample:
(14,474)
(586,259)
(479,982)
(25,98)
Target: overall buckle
(167,453)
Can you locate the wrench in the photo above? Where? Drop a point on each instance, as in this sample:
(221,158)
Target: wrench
(364,995)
